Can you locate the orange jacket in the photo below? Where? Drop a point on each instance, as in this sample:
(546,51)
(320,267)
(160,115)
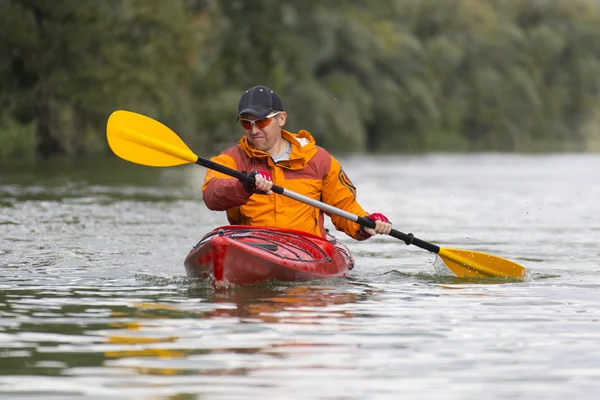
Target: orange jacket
(310,171)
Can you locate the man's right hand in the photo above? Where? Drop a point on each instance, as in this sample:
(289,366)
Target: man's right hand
(258,182)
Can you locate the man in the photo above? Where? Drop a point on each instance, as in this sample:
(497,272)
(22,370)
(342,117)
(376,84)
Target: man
(293,161)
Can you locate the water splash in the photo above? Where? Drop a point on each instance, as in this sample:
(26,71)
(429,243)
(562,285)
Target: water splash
(440,267)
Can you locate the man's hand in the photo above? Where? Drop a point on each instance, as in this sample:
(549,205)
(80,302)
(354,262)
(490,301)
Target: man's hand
(382,225)
(258,182)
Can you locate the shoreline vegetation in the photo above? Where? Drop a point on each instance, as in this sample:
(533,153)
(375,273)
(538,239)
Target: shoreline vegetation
(389,76)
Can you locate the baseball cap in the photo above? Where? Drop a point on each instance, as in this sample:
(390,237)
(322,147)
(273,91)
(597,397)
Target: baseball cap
(259,101)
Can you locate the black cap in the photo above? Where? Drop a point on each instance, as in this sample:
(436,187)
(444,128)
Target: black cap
(259,101)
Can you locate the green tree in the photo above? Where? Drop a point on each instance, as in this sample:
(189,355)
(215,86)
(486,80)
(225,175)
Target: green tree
(70,63)
(360,75)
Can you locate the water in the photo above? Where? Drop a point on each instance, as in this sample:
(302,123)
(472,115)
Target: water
(94,302)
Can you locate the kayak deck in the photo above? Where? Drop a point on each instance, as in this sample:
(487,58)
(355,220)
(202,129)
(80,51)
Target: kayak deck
(246,255)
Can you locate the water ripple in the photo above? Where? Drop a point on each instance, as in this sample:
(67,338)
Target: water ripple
(94,302)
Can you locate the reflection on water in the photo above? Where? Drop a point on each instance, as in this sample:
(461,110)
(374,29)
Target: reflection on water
(62,332)
(94,302)
(248,306)
(288,304)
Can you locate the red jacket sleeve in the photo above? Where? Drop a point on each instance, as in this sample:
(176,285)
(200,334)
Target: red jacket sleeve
(221,192)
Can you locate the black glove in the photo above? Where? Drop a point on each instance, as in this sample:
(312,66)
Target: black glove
(249,181)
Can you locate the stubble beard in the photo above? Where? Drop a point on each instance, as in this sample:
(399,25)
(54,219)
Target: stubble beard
(261,145)
(264,145)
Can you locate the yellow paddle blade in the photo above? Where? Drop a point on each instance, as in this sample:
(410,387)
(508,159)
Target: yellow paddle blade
(474,264)
(142,140)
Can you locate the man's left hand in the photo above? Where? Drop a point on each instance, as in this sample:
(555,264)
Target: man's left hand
(382,225)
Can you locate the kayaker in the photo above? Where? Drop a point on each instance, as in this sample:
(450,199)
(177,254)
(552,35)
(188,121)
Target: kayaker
(271,155)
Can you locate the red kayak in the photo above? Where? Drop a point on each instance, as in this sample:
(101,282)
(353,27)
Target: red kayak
(246,255)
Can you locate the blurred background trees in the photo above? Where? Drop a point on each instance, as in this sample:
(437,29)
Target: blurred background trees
(361,75)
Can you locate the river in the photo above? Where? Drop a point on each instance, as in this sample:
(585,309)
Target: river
(94,302)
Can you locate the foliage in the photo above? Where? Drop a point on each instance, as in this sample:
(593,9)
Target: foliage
(16,139)
(381,75)
(70,63)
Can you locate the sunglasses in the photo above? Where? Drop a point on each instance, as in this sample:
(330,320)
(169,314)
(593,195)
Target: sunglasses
(259,123)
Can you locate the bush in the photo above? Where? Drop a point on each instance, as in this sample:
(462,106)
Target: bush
(17,140)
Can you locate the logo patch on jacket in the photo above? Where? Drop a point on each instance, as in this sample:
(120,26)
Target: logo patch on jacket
(344,180)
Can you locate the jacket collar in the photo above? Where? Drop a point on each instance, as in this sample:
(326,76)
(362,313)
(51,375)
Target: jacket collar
(303,150)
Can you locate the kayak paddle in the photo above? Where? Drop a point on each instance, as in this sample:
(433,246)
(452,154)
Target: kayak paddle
(143,140)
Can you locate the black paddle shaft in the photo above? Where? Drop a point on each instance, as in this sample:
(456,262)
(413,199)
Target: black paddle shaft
(221,168)
(363,221)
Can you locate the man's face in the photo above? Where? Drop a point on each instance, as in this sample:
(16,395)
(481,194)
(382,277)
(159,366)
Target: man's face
(263,133)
